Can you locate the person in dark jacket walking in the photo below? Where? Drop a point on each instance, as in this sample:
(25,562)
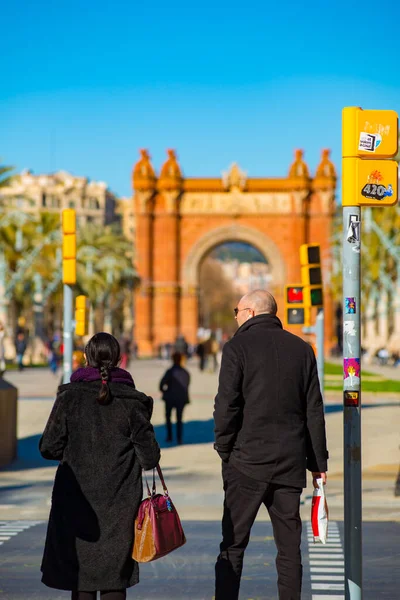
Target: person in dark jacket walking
(100,431)
(175,389)
(20,349)
(269,428)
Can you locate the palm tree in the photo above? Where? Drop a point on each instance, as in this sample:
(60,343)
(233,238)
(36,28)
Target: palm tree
(105,270)
(5,175)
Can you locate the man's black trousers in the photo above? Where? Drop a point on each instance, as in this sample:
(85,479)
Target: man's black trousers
(243,498)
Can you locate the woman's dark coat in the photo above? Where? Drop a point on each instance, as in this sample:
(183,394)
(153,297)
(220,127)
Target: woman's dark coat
(269,414)
(98,485)
(175,387)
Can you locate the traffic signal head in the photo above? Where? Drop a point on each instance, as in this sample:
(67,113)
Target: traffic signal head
(311,274)
(69,221)
(69,246)
(309,254)
(294,308)
(314,296)
(82,308)
(294,316)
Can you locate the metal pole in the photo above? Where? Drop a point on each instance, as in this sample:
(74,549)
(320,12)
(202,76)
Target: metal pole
(320,336)
(68,341)
(352,402)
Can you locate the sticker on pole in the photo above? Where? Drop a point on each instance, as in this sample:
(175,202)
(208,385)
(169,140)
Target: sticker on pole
(375,189)
(351,398)
(319,514)
(369,142)
(351,371)
(349,331)
(350,306)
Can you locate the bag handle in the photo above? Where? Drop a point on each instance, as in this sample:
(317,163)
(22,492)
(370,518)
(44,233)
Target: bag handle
(153,490)
(161,476)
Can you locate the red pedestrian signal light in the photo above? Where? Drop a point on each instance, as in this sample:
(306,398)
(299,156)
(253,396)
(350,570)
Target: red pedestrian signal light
(294,295)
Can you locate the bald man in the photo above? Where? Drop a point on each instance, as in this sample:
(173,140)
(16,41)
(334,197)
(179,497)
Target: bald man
(269,429)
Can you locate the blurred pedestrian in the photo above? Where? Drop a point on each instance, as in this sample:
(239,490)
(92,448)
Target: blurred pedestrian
(181,347)
(100,430)
(53,347)
(175,389)
(125,345)
(20,349)
(201,353)
(214,349)
(269,427)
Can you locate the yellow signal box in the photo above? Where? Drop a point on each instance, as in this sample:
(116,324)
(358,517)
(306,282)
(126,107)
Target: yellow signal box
(69,246)
(82,308)
(369,182)
(294,308)
(311,275)
(369,133)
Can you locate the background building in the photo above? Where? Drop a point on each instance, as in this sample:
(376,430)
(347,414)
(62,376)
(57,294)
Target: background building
(30,193)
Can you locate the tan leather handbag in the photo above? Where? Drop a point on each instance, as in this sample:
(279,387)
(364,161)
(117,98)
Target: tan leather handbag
(158,529)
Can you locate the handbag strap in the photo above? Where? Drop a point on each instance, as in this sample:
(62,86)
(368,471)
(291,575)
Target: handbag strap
(153,487)
(161,476)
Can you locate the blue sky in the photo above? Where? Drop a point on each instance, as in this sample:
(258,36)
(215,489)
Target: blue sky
(85,84)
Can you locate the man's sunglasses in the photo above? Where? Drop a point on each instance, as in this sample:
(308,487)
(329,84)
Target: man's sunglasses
(238,310)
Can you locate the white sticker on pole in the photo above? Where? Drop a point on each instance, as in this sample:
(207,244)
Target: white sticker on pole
(319,513)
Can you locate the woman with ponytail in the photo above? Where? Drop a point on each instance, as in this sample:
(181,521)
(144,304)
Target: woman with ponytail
(100,431)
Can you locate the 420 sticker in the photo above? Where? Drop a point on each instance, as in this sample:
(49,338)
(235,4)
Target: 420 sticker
(374,189)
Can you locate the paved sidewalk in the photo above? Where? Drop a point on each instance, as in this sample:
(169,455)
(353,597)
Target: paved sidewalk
(193,470)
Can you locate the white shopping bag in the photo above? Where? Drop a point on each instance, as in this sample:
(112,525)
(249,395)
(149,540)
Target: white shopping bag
(319,513)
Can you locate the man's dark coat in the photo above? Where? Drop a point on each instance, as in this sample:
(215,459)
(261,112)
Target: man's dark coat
(269,416)
(98,485)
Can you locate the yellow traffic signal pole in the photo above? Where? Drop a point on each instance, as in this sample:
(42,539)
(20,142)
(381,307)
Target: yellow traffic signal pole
(366,136)
(69,278)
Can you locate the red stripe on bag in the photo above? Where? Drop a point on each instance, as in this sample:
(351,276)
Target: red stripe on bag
(314,515)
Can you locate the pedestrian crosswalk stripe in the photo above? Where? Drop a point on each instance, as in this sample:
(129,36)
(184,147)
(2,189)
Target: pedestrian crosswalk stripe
(327,597)
(326,563)
(323,577)
(324,549)
(328,587)
(9,529)
(327,569)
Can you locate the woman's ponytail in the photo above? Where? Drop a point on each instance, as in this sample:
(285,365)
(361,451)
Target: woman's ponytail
(103,353)
(104,396)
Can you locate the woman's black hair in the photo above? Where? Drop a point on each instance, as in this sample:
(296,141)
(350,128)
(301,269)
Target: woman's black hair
(103,352)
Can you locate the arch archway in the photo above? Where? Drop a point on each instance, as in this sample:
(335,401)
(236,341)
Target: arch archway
(233,233)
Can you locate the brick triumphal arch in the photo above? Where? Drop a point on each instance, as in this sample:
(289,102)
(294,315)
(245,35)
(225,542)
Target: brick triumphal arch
(180,220)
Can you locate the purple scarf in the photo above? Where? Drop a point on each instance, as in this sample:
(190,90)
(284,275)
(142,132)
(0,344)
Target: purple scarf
(92,374)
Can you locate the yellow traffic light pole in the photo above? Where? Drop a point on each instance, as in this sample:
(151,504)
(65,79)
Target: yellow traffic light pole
(368,136)
(69,279)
